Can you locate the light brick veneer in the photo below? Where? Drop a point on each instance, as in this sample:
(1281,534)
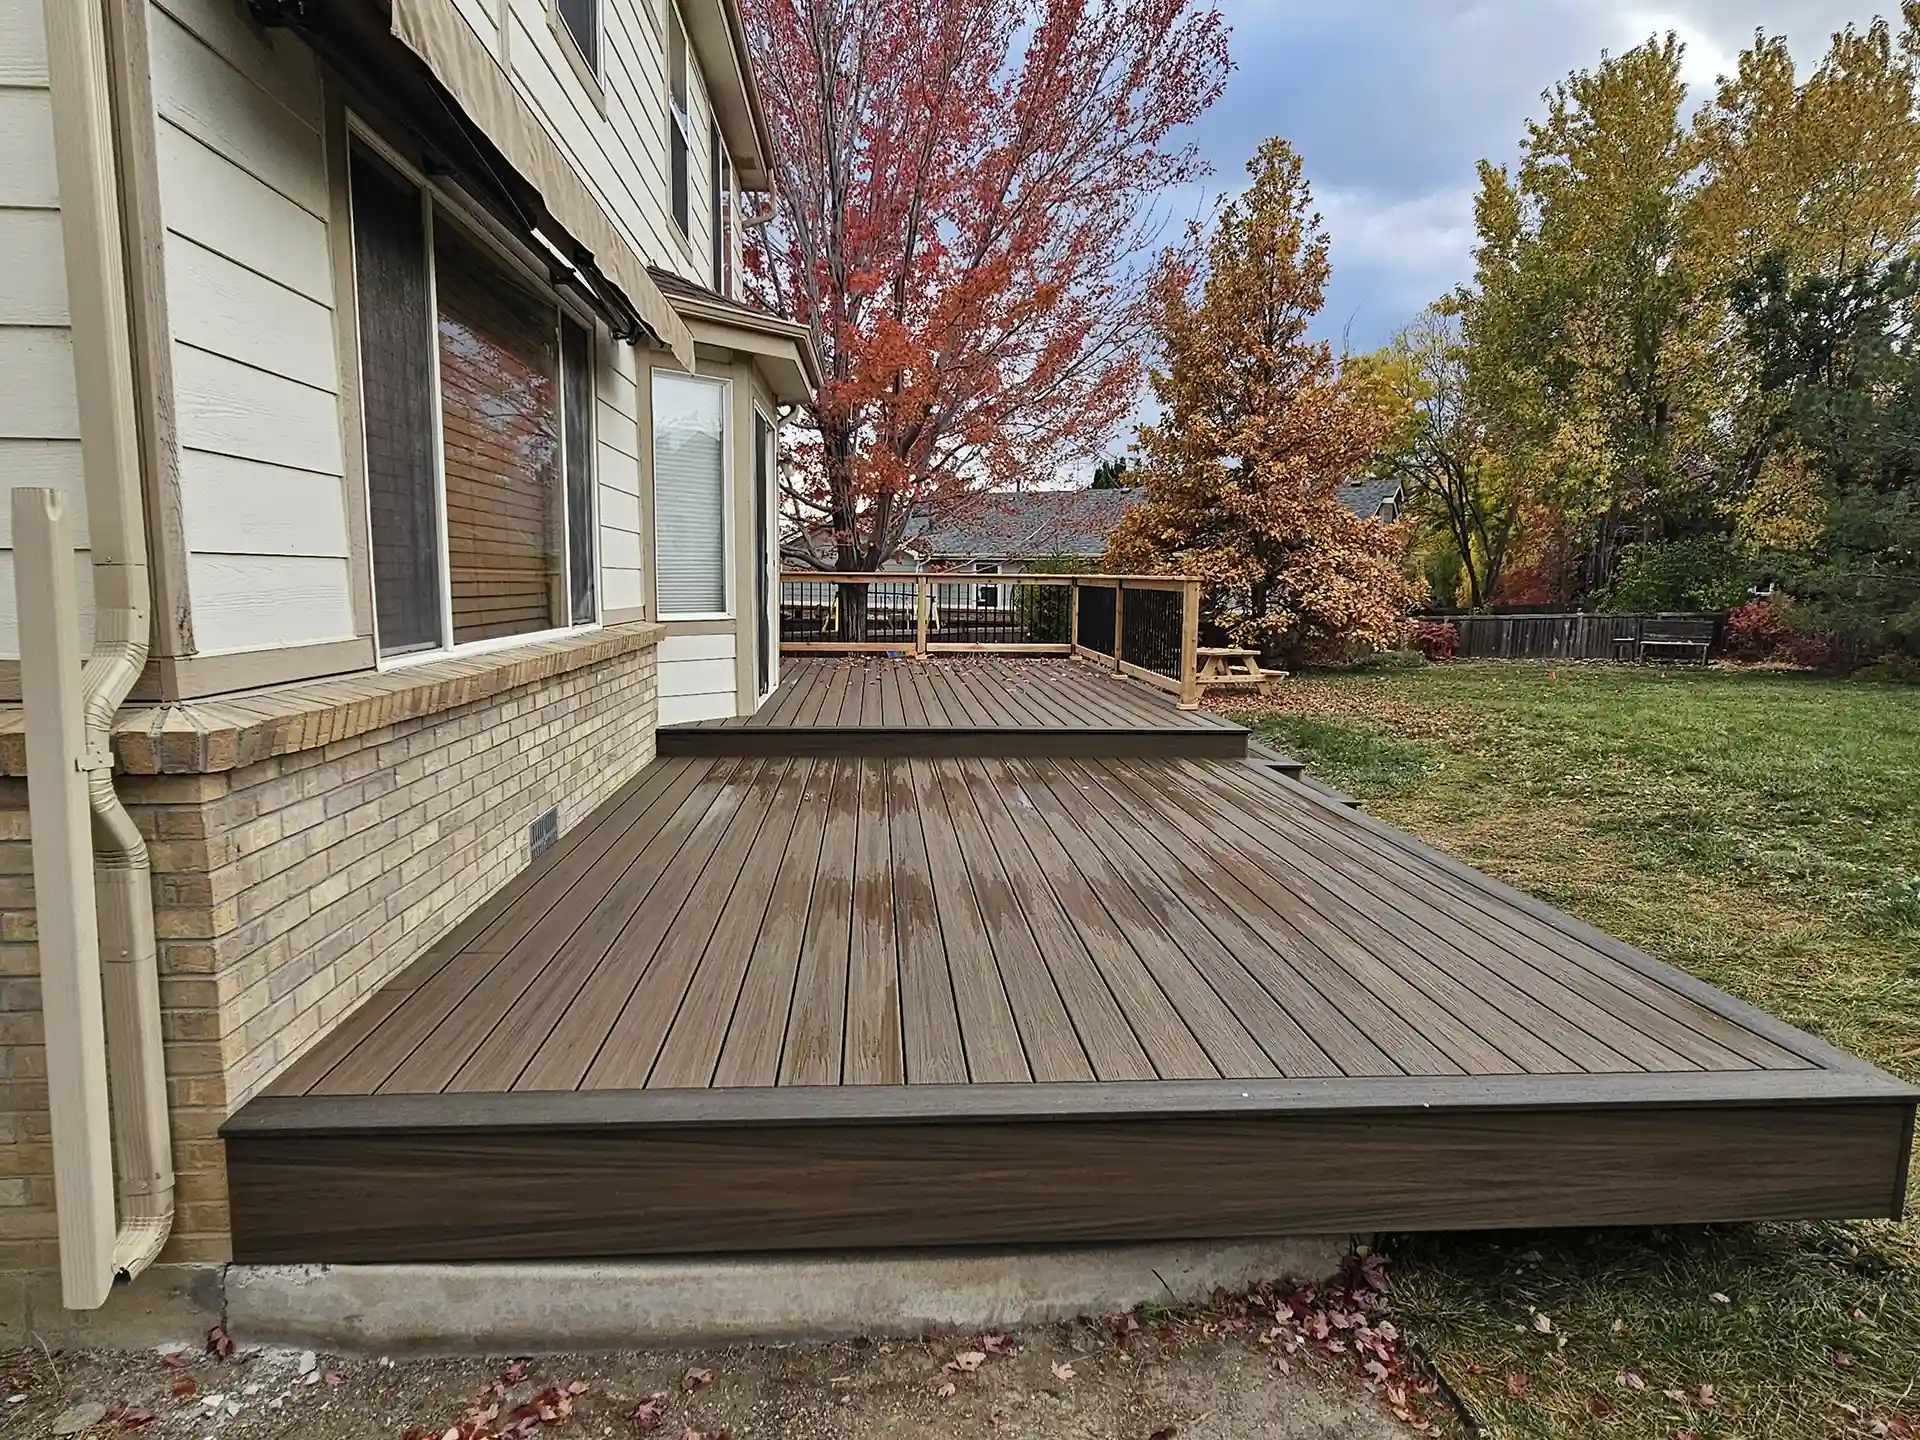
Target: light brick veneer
(292,878)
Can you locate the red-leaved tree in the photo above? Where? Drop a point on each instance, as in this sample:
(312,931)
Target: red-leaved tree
(969,195)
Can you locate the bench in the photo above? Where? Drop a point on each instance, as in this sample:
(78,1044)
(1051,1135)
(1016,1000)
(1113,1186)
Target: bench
(1225,667)
(1686,641)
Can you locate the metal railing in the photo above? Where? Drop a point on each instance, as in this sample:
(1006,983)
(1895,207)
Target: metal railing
(1146,626)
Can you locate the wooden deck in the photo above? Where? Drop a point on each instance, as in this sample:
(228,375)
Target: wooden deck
(952,706)
(848,1001)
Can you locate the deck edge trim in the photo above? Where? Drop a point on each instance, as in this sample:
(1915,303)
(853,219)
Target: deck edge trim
(789,1106)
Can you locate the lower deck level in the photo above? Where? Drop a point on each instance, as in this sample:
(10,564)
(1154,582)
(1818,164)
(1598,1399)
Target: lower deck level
(854,1002)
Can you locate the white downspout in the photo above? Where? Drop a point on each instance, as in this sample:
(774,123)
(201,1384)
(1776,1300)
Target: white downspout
(88,176)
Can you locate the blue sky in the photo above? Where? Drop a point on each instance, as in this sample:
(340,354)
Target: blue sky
(1391,103)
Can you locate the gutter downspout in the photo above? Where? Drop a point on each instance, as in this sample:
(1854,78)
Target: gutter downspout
(88,177)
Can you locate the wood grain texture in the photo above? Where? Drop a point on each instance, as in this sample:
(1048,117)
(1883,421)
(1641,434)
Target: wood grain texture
(413,1196)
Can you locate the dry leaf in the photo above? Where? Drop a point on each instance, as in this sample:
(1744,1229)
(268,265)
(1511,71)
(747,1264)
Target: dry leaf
(1598,1408)
(650,1413)
(967,1361)
(183,1387)
(1543,1323)
(1619,1327)
(1165,1432)
(1062,1372)
(945,1392)
(1516,1384)
(515,1372)
(695,1378)
(1627,1380)
(1719,1299)
(219,1343)
(1706,1396)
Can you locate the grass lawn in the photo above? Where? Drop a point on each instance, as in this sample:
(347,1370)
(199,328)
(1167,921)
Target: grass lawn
(1760,830)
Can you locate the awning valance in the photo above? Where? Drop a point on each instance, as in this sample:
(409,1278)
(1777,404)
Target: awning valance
(435,31)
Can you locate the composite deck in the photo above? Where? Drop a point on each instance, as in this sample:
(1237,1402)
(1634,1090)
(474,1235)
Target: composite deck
(982,706)
(841,1001)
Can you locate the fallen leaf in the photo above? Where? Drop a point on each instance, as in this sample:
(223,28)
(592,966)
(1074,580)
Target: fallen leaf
(183,1387)
(1627,1380)
(967,1361)
(176,1359)
(1619,1327)
(336,1378)
(650,1413)
(134,1416)
(515,1372)
(1686,1435)
(219,1343)
(1543,1323)
(1062,1372)
(1719,1299)
(1165,1432)
(1598,1408)
(1516,1384)
(1842,1360)
(945,1392)
(1679,1397)
(998,1344)
(1706,1396)
(695,1378)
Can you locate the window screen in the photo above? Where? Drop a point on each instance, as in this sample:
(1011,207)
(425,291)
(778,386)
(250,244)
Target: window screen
(582,19)
(689,497)
(576,384)
(396,400)
(500,418)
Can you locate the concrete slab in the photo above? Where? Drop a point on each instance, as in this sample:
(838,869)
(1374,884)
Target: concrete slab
(168,1303)
(591,1306)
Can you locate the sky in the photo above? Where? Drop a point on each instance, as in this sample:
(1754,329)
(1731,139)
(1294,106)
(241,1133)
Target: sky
(1392,103)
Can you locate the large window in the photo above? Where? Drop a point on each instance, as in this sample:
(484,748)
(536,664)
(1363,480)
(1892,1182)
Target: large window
(488,533)
(679,122)
(690,495)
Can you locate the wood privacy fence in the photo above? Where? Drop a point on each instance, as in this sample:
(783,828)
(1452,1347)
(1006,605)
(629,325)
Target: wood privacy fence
(1146,626)
(1576,636)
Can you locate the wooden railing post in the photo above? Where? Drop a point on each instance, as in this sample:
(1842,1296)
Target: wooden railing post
(1119,626)
(1073,616)
(923,602)
(1190,645)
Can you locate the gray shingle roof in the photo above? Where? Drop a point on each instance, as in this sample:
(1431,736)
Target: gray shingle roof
(1365,497)
(1030,524)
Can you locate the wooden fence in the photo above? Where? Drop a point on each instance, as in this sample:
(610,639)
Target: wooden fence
(1146,626)
(1579,636)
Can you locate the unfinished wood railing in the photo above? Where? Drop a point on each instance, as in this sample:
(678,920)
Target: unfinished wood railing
(1145,626)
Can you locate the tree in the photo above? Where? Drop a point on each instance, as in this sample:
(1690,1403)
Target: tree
(1844,354)
(1259,428)
(1112,473)
(1444,453)
(1588,336)
(963,189)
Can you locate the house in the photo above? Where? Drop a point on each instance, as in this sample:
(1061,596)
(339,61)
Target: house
(432,866)
(416,450)
(1373,497)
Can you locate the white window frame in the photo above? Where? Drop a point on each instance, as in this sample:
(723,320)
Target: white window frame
(678,120)
(728,520)
(438,203)
(594,69)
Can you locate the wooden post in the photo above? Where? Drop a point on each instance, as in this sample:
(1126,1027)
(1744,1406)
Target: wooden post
(923,602)
(1119,626)
(71,1003)
(1073,616)
(1190,645)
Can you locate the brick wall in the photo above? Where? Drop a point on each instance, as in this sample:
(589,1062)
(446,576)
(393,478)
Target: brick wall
(286,890)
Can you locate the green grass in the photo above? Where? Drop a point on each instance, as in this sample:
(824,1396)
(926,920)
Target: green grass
(1761,831)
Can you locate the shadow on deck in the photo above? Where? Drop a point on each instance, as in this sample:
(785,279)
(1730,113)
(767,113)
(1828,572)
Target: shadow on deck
(859,996)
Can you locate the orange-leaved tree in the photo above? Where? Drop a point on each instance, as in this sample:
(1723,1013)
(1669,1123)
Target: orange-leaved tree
(1259,427)
(965,216)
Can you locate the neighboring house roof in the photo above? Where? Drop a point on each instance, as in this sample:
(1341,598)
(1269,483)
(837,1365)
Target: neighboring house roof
(1025,524)
(1368,497)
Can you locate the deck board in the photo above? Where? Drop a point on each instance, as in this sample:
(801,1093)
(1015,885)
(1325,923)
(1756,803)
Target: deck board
(929,986)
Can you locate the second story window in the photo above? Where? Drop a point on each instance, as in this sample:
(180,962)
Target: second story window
(582,21)
(722,217)
(679,122)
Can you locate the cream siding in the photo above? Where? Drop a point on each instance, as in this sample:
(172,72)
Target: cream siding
(617,433)
(698,678)
(244,195)
(39,422)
